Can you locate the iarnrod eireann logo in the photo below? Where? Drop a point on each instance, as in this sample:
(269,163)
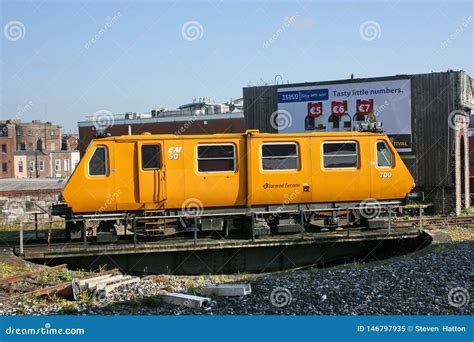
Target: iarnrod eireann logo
(280,186)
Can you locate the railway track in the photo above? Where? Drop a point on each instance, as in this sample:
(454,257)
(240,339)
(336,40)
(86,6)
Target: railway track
(428,222)
(44,281)
(431,222)
(41,281)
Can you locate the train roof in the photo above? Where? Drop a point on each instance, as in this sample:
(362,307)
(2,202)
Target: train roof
(254,133)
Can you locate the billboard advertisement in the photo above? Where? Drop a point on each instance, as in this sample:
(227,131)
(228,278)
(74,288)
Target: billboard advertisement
(340,107)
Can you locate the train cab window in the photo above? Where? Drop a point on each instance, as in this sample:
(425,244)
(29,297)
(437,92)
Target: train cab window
(384,155)
(216,158)
(280,156)
(98,162)
(151,157)
(340,155)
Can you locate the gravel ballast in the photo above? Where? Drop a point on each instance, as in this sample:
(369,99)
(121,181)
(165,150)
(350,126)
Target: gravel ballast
(435,283)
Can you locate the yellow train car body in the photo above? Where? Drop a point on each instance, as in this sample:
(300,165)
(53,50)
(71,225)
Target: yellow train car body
(159,172)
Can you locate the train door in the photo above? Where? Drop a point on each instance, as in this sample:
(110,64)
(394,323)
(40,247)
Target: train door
(151,174)
(383,169)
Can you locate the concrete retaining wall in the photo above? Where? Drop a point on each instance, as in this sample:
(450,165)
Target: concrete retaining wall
(20,207)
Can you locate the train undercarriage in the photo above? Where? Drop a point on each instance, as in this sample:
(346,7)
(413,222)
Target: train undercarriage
(225,222)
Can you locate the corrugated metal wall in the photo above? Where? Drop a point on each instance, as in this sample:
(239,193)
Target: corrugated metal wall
(433,99)
(259,104)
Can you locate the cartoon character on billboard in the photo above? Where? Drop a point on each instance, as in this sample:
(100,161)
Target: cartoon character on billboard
(339,118)
(314,119)
(364,111)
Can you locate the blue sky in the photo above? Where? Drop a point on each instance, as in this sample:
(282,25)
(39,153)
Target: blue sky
(69,59)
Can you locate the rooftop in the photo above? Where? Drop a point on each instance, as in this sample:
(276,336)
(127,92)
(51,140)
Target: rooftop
(28,184)
(122,119)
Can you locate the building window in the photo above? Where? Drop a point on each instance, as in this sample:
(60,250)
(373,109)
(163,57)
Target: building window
(30,146)
(216,158)
(66,165)
(29,132)
(384,155)
(32,166)
(151,157)
(4,167)
(280,156)
(98,162)
(57,165)
(340,155)
(4,148)
(41,165)
(20,166)
(52,132)
(21,146)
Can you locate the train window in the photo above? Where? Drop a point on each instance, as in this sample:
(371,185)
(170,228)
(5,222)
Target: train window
(280,156)
(151,157)
(384,155)
(216,158)
(98,162)
(340,155)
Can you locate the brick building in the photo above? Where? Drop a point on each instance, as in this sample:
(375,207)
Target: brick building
(7,148)
(70,142)
(37,135)
(39,164)
(35,150)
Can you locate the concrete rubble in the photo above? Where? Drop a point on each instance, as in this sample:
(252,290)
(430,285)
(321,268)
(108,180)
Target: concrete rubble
(227,290)
(186,300)
(104,285)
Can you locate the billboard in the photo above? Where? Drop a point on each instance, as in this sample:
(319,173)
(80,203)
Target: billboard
(340,107)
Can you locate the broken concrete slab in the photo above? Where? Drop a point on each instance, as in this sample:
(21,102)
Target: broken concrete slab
(227,290)
(110,288)
(102,291)
(83,282)
(183,299)
(92,285)
(103,283)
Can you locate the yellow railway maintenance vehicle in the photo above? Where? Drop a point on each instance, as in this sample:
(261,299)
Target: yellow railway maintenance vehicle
(233,183)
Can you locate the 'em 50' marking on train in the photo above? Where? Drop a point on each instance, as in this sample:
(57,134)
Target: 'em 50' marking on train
(254,179)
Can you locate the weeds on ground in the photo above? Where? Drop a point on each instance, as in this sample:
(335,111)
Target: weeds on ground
(9,269)
(439,249)
(458,233)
